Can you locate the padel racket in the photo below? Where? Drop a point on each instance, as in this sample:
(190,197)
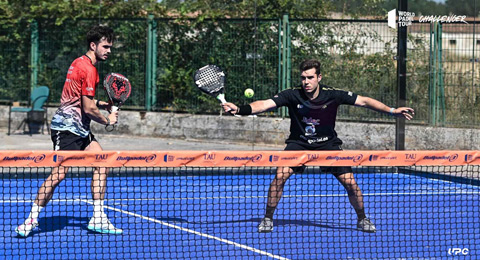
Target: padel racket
(210,79)
(118,89)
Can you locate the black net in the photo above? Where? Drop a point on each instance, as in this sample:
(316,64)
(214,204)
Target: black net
(422,212)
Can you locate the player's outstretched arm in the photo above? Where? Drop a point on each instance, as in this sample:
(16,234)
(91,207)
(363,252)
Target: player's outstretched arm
(376,105)
(255,107)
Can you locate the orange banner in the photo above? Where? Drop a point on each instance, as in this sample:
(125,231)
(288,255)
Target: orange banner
(235,158)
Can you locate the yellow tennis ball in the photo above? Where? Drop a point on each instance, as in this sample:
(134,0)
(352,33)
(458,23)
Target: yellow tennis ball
(249,93)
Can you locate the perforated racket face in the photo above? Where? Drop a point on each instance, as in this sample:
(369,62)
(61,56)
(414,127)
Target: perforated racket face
(118,88)
(210,79)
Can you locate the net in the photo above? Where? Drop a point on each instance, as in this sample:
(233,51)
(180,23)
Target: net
(208,205)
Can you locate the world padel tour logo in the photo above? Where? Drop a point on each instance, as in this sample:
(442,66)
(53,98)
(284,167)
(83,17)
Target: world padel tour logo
(35,159)
(406,18)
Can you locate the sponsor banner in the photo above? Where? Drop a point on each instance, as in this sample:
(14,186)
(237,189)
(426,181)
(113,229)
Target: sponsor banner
(441,158)
(235,158)
(24,158)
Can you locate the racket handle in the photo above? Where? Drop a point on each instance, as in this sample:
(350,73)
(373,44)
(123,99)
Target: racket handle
(221,97)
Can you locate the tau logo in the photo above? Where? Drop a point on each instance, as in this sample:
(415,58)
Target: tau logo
(39,158)
(457,251)
(101,157)
(209,157)
(410,156)
(313,156)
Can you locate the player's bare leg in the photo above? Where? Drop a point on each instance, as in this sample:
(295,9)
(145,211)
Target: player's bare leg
(99,221)
(355,197)
(275,193)
(44,195)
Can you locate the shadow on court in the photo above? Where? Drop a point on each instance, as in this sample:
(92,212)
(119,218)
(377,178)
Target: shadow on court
(51,224)
(289,222)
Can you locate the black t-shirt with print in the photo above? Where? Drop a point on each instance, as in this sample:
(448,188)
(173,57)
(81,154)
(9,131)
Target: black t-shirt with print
(313,121)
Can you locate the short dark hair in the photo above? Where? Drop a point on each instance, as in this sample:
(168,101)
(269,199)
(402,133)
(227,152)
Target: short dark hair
(97,32)
(310,64)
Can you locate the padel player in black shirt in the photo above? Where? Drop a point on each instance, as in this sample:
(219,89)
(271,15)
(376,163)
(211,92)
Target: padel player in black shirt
(313,110)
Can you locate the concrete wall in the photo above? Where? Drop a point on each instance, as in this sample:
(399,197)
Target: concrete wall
(274,131)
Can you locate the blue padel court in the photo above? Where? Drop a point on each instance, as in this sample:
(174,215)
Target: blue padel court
(202,214)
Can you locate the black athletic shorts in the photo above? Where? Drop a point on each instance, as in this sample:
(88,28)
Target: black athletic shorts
(68,141)
(335,170)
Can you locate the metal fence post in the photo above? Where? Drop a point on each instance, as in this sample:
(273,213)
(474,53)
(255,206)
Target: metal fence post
(285,59)
(34,54)
(433,73)
(401,79)
(151,60)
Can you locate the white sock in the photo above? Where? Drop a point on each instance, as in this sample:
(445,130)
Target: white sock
(35,212)
(98,209)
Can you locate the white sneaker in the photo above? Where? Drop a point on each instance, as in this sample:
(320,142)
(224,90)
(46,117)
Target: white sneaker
(103,225)
(265,226)
(27,227)
(365,225)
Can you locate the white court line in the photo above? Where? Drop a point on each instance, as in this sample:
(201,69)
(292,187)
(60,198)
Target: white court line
(313,195)
(263,197)
(194,232)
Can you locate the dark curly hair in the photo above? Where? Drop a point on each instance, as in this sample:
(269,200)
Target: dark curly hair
(310,64)
(97,32)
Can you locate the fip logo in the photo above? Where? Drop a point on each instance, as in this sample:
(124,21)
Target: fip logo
(168,158)
(373,157)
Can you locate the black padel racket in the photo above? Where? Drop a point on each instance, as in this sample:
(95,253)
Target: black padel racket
(118,89)
(210,79)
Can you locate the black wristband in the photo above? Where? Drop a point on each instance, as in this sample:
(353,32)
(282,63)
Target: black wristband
(244,110)
(97,103)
